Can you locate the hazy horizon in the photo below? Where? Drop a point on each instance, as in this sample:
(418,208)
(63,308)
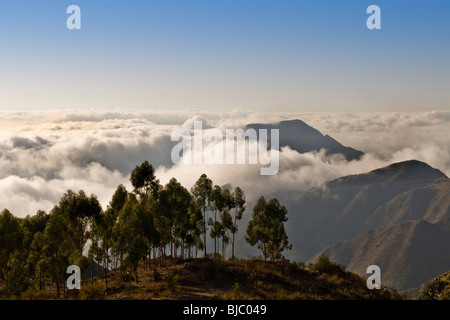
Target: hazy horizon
(43,153)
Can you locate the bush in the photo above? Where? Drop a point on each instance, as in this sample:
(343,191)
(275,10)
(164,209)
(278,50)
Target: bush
(324,265)
(125,276)
(237,292)
(32,294)
(433,290)
(156,275)
(92,292)
(297,266)
(172,282)
(282,294)
(217,257)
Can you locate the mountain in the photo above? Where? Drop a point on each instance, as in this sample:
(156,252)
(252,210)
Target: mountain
(408,254)
(301,137)
(350,206)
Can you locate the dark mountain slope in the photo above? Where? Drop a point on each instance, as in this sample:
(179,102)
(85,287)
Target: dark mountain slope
(350,206)
(408,254)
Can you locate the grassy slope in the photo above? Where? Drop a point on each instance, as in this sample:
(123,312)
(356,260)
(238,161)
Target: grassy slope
(240,279)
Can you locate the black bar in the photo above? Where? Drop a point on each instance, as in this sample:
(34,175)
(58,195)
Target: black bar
(228,309)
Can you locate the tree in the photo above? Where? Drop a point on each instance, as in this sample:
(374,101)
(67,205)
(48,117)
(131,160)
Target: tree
(17,274)
(144,181)
(36,255)
(36,222)
(238,204)
(178,201)
(202,193)
(226,221)
(266,229)
(148,189)
(133,230)
(80,210)
(194,226)
(218,204)
(118,200)
(103,229)
(33,228)
(11,236)
(58,249)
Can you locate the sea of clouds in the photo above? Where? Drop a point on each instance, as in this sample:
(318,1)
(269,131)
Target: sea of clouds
(43,153)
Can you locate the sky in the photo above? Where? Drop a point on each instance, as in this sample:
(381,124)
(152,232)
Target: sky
(216,55)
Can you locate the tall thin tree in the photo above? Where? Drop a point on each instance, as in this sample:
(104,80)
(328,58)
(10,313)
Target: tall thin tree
(202,192)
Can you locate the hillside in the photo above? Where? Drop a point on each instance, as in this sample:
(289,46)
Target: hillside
(236,280)
(408,254)
(436,289)
(353,205)
(303,138)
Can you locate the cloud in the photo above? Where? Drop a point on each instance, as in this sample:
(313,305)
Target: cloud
(25,196)
(44,153)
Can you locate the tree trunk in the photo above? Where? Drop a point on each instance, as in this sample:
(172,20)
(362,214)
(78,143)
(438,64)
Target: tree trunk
(182,250)
(92,271)
(136,273)
(232,248)
(58,288)
(40,280)
(223,249)
(106,273)
(204,231)
(234,233)
(215,238)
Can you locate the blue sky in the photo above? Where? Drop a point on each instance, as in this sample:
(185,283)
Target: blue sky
(286,55)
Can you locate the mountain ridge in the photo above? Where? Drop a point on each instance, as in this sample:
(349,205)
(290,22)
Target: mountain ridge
(303,138)
(349,206)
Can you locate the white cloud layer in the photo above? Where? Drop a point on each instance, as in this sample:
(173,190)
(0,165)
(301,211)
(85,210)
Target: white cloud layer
(44,153)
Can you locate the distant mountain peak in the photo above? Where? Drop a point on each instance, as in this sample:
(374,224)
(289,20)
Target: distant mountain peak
(409,169)
(413,163)
(303,138)
(294,122)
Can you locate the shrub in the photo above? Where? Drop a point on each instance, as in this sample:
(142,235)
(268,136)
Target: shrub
(433,290)
(217,257)
(324,265)
(297,266)
(125,276)
(282,294)
(172,281)
(259,284)
(156,275)
(237,291)
(301,265)
(92,292)
(31,294)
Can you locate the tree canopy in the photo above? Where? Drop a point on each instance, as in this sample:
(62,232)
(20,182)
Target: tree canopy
(266,229)
(150,222)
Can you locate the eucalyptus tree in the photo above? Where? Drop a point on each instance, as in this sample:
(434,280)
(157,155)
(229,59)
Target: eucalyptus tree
(237,203)
(266,229)
(202,193)
(80,211)
(217,206)
(144,181)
